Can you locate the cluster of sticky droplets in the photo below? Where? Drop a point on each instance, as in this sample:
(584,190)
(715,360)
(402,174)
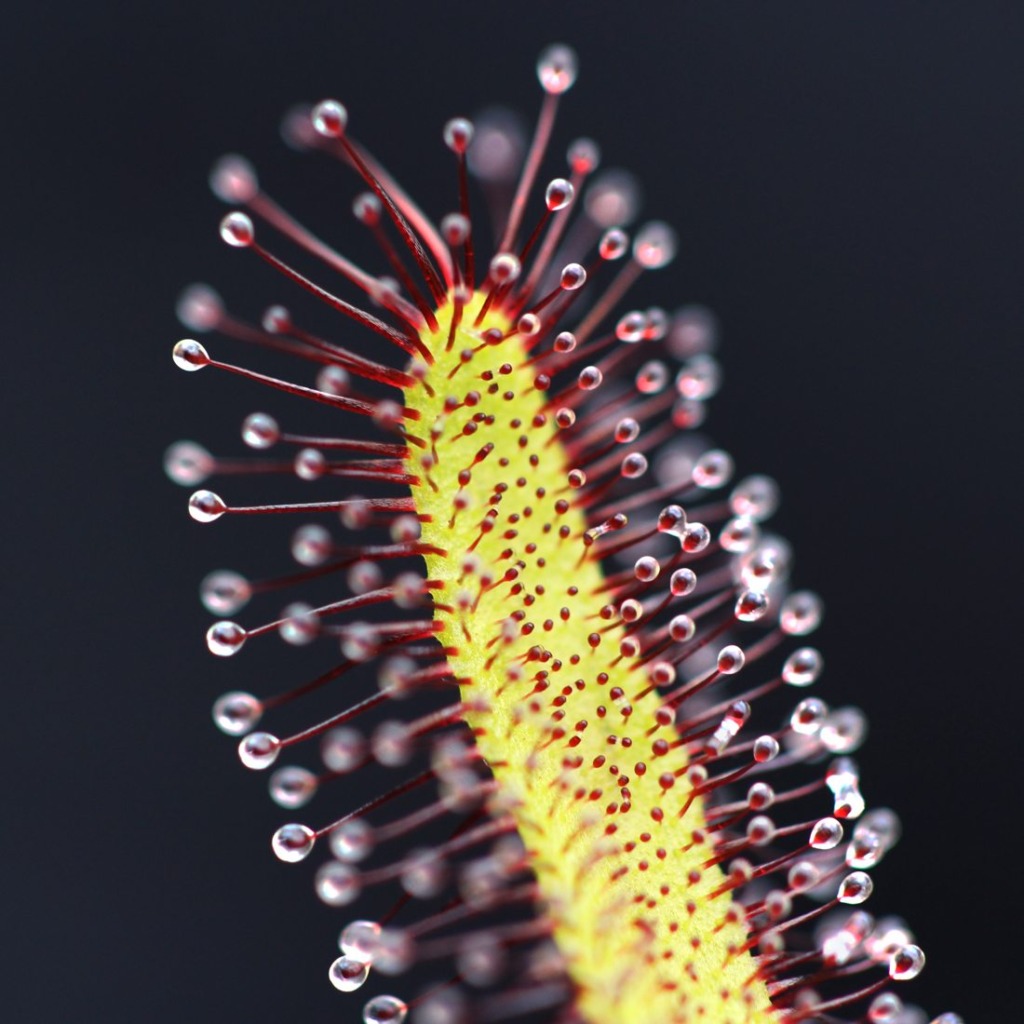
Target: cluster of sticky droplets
(679,595)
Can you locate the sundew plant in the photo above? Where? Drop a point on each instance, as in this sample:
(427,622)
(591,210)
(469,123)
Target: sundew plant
(558,621)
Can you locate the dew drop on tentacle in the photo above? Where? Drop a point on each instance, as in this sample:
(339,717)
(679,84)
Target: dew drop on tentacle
(237,230)
(906,963)
(206,507)
(855,888)
(352,841)
(713,469)
(498,144)
(730,660)
(329,118)
(807,716)
(358,939)
(802,667)
(843,781)
(311,545)
(337,884)
(557,69)
(654,245)
(751,605)
(292,787)
(756,497)
(652,377)
(887,1007)
(385,1010)
(843,730)
(697,381)
(292,843)
(199,308)
(190,356)
(260,431)
(237,713)
(559,194)
(342,749)
(259,750)
(348,973)
(300,624)
(801,613)
(458,134)
(826,834)
(225,638)
(766,748)
(224,592)
(187,463)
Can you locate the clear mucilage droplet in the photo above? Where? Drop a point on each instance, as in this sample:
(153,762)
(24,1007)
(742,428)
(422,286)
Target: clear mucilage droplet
(329,119)
(557,68)
(359,938)
(260,431)
(750,606)
(187,464)
(292,787)
(343,749)
(337,884)
(756,497)
(225,638)
(855,888)
(839,945)
(801,613)
(300,624)
(385,1010)
(224,592)
(352,841)
(655,245)
(802,667)
(906,963)
(311,545)
(199,308)
(237,713)
(190,356)
(730,659)
(206,507)
(237,230)
(827,834)
(233,180)
(259,750)
(885,1008)
(843,782)
(348,974)
(292,843)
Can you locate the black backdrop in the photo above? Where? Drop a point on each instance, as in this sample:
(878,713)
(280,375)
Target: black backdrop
(845,179)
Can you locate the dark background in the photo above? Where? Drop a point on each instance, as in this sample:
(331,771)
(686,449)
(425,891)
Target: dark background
(846,181)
